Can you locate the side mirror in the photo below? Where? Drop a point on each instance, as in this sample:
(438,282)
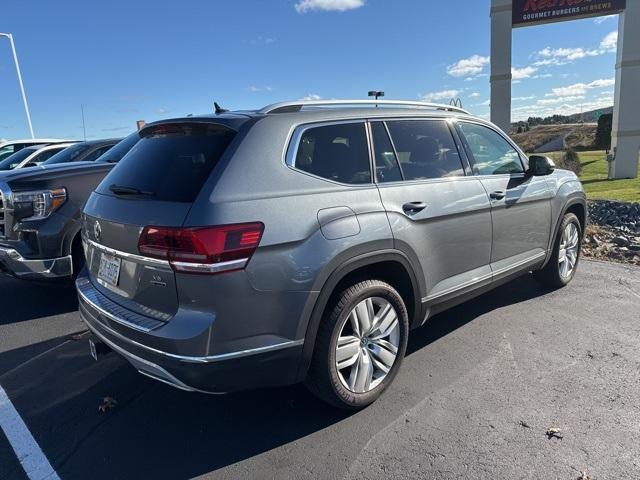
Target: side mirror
(540,165)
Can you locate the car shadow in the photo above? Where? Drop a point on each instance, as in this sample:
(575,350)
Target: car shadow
(153,428)
(519,290)
(22,300)
(156,431)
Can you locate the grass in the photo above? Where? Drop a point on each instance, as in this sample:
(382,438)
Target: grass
(598,186)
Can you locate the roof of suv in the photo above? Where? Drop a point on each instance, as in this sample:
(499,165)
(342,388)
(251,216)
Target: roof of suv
(331,110)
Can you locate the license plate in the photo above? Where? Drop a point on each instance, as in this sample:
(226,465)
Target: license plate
(109,270)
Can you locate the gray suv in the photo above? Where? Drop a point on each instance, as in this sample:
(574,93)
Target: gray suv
(303,241)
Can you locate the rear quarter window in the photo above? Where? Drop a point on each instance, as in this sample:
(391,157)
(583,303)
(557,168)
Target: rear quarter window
(337,152)
(171,161)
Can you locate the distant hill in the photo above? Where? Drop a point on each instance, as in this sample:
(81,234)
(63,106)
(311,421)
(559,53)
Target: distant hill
(546,138)
(586,117)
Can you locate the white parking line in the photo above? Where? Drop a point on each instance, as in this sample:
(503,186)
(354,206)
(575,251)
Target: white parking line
(31,457)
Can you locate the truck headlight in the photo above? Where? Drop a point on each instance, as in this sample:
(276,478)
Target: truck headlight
(39,204)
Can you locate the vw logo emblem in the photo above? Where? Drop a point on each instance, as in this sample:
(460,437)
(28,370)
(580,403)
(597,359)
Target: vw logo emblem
(97,230)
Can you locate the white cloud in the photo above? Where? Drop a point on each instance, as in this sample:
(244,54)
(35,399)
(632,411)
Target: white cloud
(255,88)
(522,73)
(561,56)
(600,20)
(580,88)
(520,99)
(474,95)
(468,66)
(311,96)
(536,110)
(442,95)
(557,100)
(605,82)
(610,42)
(304,6)
(486,103)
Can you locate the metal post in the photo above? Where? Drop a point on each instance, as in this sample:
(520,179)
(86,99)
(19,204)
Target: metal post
(24,96)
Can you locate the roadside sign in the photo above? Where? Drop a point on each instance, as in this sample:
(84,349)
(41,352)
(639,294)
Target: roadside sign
(533,12)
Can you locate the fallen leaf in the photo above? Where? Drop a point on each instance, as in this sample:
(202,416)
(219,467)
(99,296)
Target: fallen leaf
(524,424)
(553,432)
(584,476)
(108,403)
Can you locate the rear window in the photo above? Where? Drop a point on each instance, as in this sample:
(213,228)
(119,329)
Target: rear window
(171,162)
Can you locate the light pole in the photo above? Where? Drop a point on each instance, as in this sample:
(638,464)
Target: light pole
(24,96)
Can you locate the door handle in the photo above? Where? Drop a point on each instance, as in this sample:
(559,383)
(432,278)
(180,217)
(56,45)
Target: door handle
(414,207)
(497,195)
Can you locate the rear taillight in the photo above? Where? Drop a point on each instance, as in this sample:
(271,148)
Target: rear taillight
(202,249)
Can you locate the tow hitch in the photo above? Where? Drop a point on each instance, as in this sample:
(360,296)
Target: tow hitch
(98,349)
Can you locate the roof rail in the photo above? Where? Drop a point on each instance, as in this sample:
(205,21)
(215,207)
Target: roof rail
(296,106)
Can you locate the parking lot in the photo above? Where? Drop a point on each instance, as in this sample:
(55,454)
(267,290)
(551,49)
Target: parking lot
(477,392)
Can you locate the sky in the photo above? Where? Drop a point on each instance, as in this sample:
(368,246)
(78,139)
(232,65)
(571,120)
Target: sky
(123,61)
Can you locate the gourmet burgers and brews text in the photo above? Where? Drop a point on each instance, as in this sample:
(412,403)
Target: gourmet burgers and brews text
(528,12)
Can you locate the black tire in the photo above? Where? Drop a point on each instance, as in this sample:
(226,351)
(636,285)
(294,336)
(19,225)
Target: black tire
(77,258)
(550,275)
(323,379)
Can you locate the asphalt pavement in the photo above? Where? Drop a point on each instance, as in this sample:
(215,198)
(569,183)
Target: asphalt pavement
(478,390)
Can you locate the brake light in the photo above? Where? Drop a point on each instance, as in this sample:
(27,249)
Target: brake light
(202,249)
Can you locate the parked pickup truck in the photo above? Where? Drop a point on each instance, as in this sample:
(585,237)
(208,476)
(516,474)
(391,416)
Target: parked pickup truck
(40,215)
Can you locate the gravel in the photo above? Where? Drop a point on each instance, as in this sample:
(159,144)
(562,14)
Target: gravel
(613,231)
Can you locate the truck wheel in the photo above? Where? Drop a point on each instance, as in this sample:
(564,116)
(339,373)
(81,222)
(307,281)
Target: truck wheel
(77,257)
(563,263)
(360,345)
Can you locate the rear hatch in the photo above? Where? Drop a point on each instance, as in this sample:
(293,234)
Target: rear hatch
(154,185)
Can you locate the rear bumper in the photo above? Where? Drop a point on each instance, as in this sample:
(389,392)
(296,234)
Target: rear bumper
(34,269)
(263,366)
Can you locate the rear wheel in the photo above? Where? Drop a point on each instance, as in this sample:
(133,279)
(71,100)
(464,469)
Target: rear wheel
(563,263)
(360,345)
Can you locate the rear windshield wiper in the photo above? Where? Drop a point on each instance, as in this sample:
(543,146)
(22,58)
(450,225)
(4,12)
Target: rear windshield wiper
(124,190)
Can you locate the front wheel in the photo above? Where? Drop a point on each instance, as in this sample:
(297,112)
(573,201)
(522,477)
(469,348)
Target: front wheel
(360,345)
(563,263)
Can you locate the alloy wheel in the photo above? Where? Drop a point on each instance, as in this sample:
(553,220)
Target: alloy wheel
(367,347)
(568,252)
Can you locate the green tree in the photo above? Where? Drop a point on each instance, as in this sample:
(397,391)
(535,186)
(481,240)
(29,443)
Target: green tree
(603,133)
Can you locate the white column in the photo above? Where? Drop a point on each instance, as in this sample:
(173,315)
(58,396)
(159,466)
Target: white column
(626,112)
(501,63)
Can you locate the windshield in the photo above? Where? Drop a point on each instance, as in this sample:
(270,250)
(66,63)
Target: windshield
(115,154)
(68,154)
(16,159)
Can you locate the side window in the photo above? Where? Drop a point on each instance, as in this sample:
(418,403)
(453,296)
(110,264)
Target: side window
(97,153)
(490,153)
(335,152)
(425,149)
(387,168)
(6,151)
(43,157)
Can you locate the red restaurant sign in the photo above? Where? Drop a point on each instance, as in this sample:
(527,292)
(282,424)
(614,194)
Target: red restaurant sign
(530,12)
